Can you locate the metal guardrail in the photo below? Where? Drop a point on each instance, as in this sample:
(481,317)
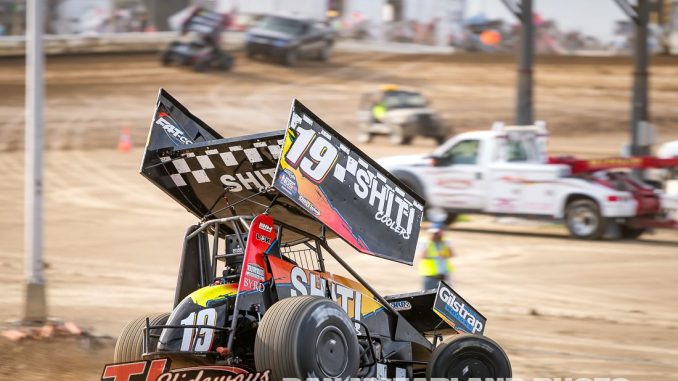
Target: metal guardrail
(156,41)
(104,43)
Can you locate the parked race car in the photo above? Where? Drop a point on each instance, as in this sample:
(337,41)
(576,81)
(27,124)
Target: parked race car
(253,291)
(288,39)
(200,43)
(505,171)
(401,114)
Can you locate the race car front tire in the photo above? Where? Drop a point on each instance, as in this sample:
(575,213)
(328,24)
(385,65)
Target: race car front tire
(129,346)
(466,356)
(307,337)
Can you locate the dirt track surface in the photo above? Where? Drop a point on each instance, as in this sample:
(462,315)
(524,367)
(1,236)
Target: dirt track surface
(560,307)
(90,98)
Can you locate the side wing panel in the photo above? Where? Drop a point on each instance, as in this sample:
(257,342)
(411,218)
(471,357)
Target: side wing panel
(342,187)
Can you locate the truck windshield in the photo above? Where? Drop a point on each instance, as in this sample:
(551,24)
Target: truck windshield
(404,99)
(283,25)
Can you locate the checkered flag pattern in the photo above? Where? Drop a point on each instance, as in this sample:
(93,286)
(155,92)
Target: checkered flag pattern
(199,164)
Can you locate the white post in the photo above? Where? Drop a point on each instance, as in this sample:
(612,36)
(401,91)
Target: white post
(35,307)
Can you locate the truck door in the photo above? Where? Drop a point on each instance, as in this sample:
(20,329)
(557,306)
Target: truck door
(456,180)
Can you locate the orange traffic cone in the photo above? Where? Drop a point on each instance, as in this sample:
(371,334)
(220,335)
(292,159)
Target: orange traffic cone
(125,140)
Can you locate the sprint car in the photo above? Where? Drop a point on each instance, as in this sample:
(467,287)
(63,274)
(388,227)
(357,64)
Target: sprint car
(253,290)
(200,43)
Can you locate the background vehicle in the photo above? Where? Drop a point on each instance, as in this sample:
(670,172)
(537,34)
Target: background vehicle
(506,171)
(200,43)
(402,114)
(253,290)
(288,39)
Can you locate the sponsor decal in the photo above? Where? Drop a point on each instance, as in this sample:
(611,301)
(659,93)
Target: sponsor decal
(401,305)
(313,284)
(456,312)
(251,284)
(265,227)
(289,182)
(172,129)
(263,238)
(159,370)
(309,206)
(254,180)
(255,271)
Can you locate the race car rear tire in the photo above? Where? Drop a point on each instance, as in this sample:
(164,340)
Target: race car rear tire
(584,220)
(202,64)
(129,346)
(167,58)
(225,61)
(307,337)
(468,356)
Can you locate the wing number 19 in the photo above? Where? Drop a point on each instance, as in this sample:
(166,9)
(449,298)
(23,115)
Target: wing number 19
(313,154)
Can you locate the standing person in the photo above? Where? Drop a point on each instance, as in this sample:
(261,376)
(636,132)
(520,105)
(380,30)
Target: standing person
(435,264)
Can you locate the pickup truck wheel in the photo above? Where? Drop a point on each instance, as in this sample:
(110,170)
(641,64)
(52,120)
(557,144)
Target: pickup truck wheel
(398,136)
(364,137)
(583,219)
(129,346)
(307,337)
(630,232)
(465,357)
(250,53)
(291,58)
(324,52)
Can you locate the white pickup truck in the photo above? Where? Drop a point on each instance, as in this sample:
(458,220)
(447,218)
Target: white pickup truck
(505,171)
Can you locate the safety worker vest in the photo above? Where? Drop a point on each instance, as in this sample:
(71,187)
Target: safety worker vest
(379,111)
(437,260)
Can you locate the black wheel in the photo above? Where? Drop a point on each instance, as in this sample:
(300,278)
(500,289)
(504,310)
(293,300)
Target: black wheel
(167,58)
(251,54)
(629,232)
(583,219)
(324,52)
(364,137)
(466,356)
(129,346)
(307,337)
(451,218)
(201,64)
(398,136)
(291,57)
(225,62)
